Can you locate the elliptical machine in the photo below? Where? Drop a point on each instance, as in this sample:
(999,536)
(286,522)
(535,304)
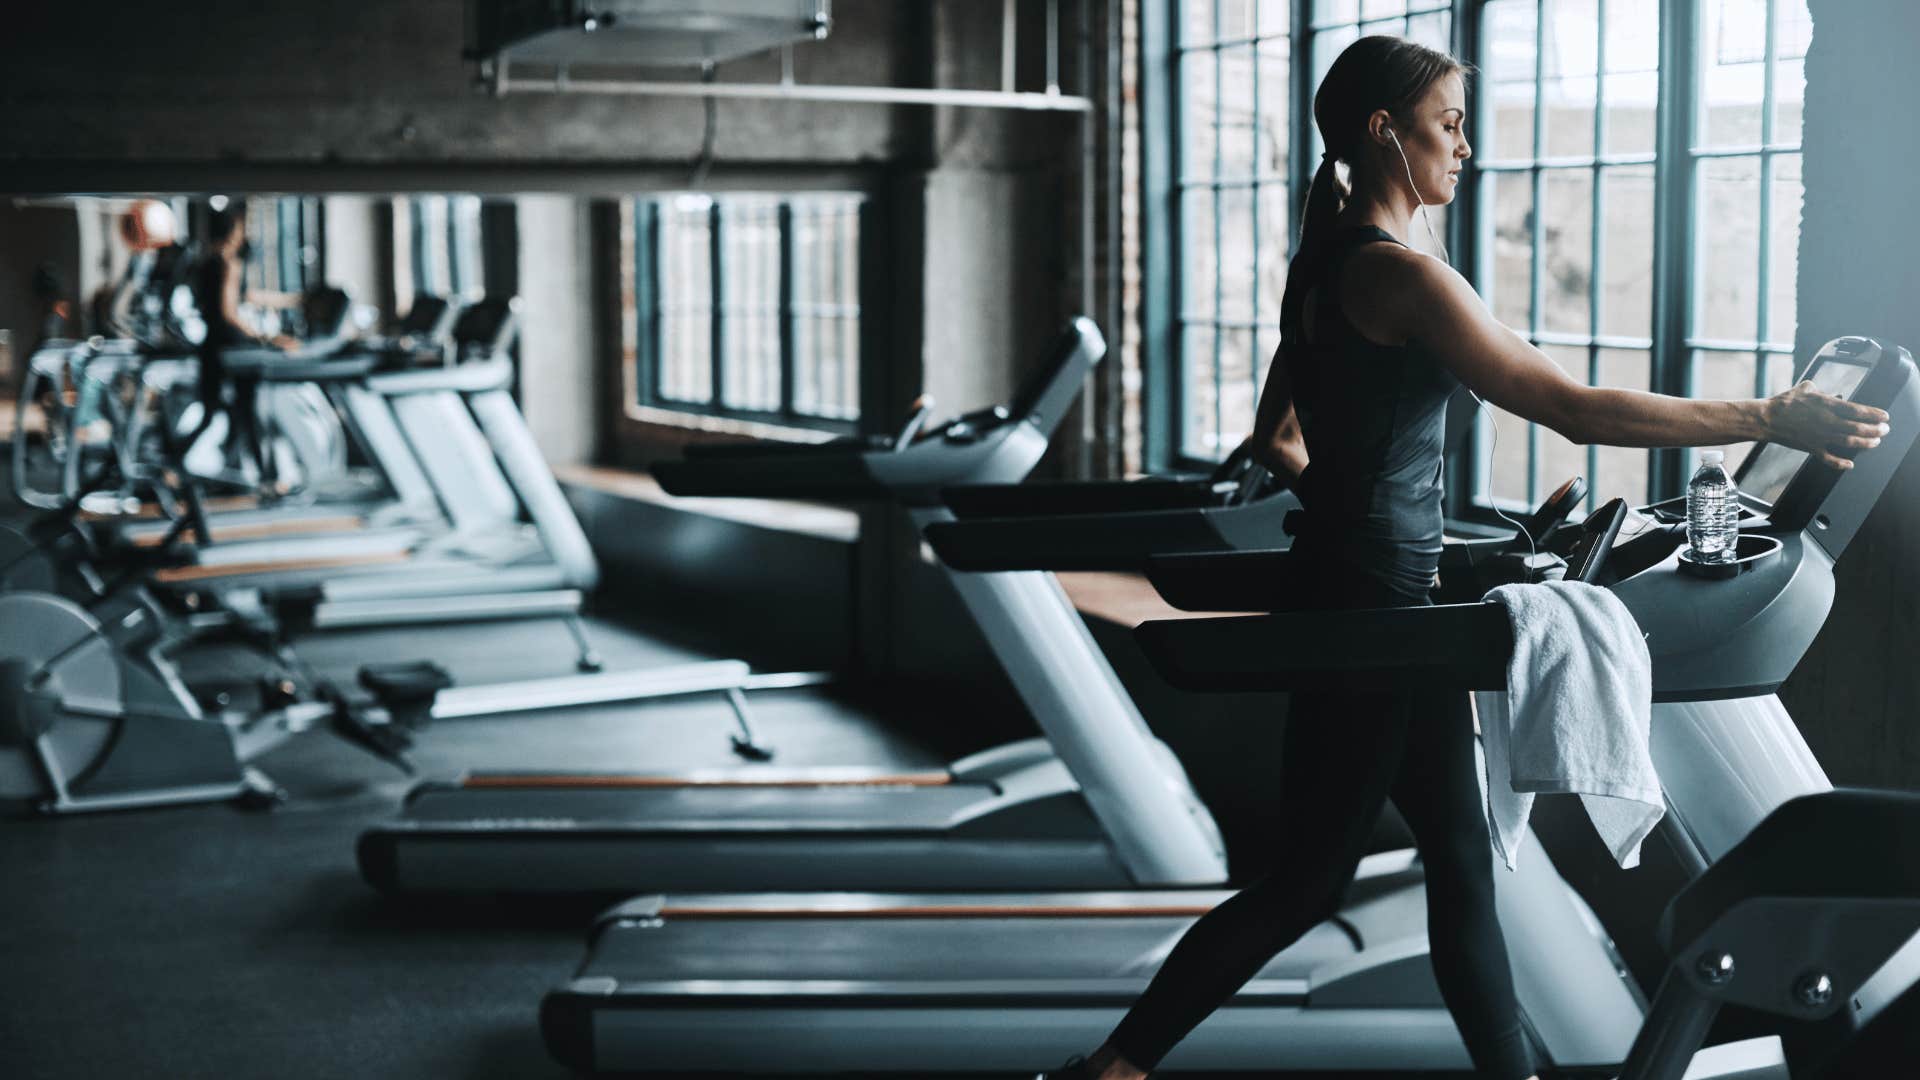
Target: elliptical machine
(85,728)
(95,716)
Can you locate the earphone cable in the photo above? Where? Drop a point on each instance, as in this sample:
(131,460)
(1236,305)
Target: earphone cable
(1425,218)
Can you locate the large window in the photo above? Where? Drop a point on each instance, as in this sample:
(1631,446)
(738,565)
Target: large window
(1639,225)
(744,306)
(1233,69)
(437,248)
(283,242)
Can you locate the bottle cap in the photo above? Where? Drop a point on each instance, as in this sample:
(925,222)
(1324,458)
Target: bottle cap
(1712,457)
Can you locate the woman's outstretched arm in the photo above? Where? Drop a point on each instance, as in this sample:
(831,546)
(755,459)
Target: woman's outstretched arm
(1429,302)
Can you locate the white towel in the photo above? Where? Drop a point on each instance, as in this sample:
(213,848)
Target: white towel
(1574,718)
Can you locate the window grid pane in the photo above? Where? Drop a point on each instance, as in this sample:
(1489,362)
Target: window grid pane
(750,306)
(465,279)
(684,367)
(826,308)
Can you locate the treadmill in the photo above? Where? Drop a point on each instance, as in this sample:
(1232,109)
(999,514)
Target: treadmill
(470,451)
(950,982)
(1066,811)
(376,513)
(1111,525)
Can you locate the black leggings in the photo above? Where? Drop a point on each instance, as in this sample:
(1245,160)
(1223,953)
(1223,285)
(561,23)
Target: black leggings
(1345,754)
(243,412)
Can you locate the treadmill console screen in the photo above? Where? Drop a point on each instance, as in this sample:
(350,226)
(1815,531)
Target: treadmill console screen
(422,317)
(1770,467)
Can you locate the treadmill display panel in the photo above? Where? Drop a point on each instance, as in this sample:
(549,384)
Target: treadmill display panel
(1770,467)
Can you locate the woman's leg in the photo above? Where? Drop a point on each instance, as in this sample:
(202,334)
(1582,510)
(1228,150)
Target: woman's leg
(246,421)
(1438,793)
(1341,755)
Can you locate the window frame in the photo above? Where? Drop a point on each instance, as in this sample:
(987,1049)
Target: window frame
(462,244)
(1180,181)
(641,402)
(1672,343)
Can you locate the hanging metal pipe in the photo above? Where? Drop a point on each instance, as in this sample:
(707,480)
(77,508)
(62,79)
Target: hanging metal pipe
(875,95)
(1008,38)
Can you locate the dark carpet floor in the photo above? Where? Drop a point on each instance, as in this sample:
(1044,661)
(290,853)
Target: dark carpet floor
(213,941)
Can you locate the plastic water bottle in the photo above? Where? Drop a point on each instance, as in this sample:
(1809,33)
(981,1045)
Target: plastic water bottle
(1713,511)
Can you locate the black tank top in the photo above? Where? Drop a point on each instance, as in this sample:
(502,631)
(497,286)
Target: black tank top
(1374,420)
(209,290)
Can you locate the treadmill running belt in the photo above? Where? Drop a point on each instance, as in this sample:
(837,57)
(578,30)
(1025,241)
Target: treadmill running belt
(912,950)
(668,809)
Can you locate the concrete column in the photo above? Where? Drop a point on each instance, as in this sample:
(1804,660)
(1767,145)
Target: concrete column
(354,248)
(557,376)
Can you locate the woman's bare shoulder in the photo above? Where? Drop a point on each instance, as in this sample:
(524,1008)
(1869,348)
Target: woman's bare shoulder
(1407,288)
(1392,292)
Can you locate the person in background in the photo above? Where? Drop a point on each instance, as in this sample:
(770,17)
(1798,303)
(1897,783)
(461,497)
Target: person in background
(217,284)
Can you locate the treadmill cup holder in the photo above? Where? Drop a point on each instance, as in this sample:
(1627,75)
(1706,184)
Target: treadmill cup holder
(1750,551)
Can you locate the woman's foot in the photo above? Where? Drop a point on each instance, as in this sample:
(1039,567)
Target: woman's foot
(1106,1064)
(1074,1069)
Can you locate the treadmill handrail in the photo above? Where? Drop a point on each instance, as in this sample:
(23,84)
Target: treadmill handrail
(1446,646)
(986,445)
(472,377)
(1065,497)
(1080,348)
(1110,540)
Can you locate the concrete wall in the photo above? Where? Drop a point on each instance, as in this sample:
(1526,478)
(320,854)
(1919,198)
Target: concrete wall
(288,81)
(1857,693)
(284,94)
(359,258)
(558,372)
(29,236)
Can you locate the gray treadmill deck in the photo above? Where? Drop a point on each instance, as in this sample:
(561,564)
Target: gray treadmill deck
(756,958)
(1018,944)
(731,838)
(696,808)
(775,983)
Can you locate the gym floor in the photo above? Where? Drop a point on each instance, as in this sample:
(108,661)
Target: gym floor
(216,941)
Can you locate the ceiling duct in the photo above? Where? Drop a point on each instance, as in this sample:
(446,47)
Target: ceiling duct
(643,33)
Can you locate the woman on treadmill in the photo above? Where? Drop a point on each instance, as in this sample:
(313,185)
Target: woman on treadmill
(216,293)
(1375,338)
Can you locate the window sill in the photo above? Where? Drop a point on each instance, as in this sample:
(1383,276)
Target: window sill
(1123,599)
(786,515)
(723,425)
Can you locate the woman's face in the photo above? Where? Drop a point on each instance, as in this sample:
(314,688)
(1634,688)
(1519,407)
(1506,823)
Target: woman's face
(1433,135)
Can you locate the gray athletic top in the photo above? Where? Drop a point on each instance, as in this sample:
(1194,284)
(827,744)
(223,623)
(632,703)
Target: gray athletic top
(1374,420)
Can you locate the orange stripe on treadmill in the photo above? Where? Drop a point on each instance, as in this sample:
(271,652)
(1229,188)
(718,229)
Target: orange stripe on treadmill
(941,911)
(261,530)
(150,511)
(176,574)
(511,780)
